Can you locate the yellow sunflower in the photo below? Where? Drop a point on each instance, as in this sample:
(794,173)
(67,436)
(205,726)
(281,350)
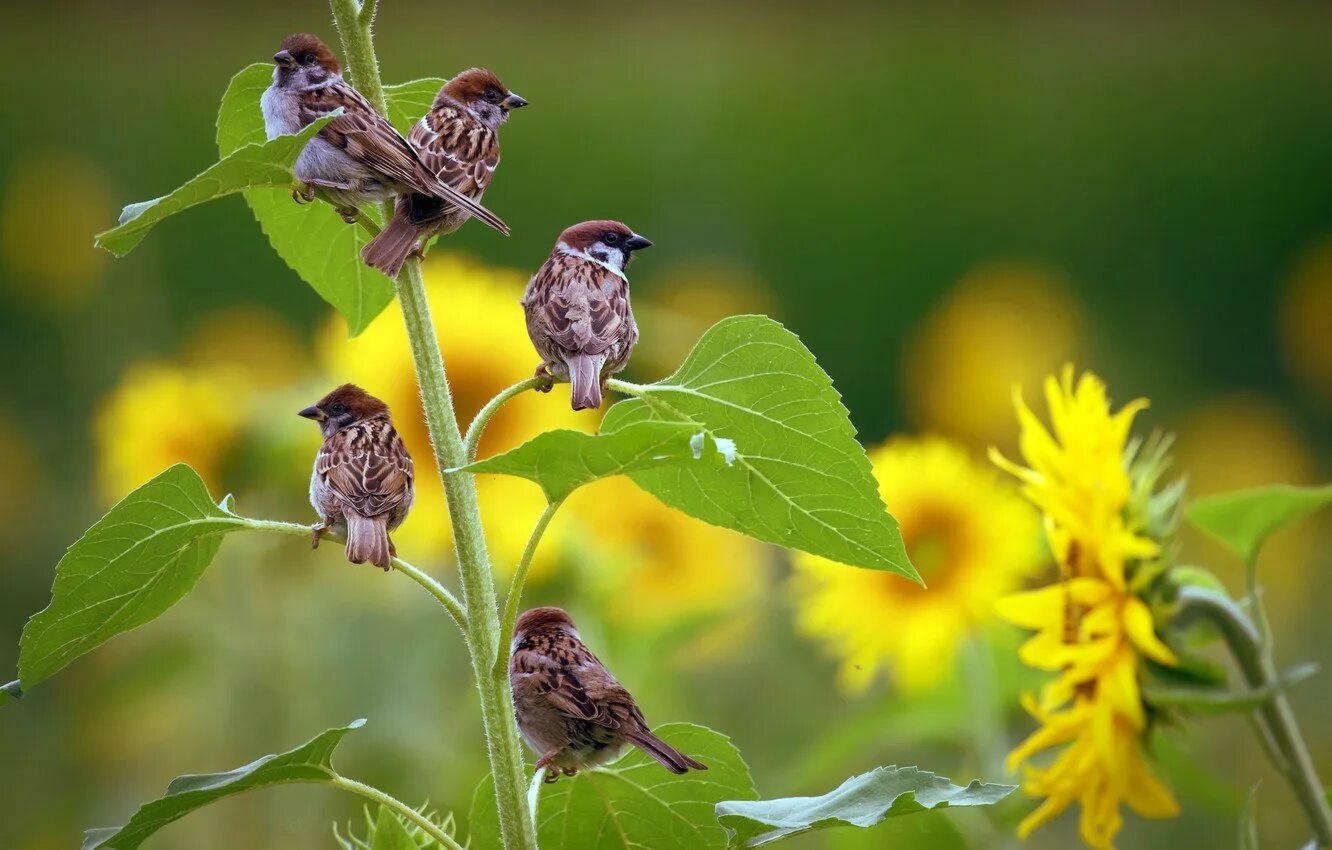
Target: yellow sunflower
(971,537)
(1091,627)
(484,342)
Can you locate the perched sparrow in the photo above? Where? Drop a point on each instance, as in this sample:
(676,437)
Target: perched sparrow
(569,708)
(458,140)
(362,480)
(358,157)
(577,307)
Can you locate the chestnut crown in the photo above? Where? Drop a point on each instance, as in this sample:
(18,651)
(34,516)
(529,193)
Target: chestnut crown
(611,234)
(542,619)
(342,407)
(305,50)
(477,84)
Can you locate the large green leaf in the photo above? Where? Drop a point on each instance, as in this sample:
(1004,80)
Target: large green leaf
(562,461)
(310,762)
(1243,520)
(634,803)
(799,478)
(862,801)
(132,565)
(312,239)
(258,163)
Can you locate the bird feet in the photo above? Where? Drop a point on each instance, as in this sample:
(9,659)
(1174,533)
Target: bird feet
(303,193)
(351,215)
(545,380)
(317,531)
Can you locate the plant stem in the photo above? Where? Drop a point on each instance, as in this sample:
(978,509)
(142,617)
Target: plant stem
(515,596)
(482,418)
(397,806)
(1255,662)
(477,584)
(433,587)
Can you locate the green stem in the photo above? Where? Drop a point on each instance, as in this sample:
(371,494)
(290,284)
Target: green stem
(398,807)
(433,587)
(626,387)
(515,597)
(1255,662)
(482,418)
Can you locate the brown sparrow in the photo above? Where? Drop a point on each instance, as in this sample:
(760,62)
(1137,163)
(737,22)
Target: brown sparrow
(577,307)
(362,480)
(569,708)
(358,157)
(458,140)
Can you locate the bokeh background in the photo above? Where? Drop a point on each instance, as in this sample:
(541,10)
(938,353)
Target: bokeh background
(943,200)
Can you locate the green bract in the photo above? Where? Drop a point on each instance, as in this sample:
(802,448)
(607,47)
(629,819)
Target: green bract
(862,801)
(634,803)
(133,564)
(310,762)
(799,477)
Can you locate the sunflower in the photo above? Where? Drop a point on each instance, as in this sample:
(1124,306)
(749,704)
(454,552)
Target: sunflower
(485,346)
(972,538)
(1104,524)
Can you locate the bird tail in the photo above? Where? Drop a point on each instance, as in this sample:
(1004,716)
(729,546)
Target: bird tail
(671,758)
(368,540)
(585,375)
(388,251)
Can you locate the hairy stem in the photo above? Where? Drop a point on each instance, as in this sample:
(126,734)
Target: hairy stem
(1254,658)
(515,597)
(433,587)
(482,623)
(398,807)
(482,418)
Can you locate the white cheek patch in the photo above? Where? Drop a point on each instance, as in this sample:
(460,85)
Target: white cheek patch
(615,255)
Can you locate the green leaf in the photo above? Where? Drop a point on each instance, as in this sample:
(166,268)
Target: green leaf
(407,102)
(634,803)
(262,163)
(799,478)
(312,239)
(1248,837)
(310,762)
(562,461)
(1215,701)
(10,691)
(390,834)
(130,567)
(862,801)
(1243,520)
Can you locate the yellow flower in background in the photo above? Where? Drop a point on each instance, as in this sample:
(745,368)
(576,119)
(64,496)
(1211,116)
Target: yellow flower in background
(972,538)
(162,414)
(484,342)
(1004,323)
(1306,306)
(255,342)
(651,565)
(45,241)
(1090,627)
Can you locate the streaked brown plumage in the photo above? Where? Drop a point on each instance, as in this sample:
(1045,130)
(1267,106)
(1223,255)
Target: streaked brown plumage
(577,307)
(569,708)
(358,157)
(458,141)
(362,482)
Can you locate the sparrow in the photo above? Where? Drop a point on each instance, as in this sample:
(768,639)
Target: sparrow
(458,140)
(577,307)
(363,476)
(569,708)
(358,157)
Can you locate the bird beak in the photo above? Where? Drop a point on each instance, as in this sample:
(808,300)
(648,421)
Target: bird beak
(637,243)
(312,412)
(284,59)
(513,101)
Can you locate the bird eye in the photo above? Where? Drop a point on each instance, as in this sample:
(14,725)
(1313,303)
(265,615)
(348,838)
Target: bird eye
(308,59)
(492,95)
(611,238)
(337,408)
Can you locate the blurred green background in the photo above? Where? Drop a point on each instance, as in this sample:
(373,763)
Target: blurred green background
(943,200)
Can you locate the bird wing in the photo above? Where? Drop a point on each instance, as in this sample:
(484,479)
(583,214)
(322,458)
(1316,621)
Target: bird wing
(368,467)
(582,307)
(585,691)
(368,137)
(459,152)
